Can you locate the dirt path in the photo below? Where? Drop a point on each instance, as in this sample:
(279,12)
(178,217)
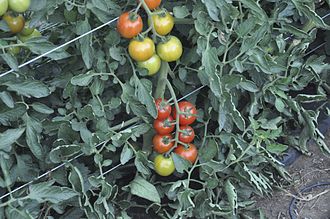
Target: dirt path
(305,171)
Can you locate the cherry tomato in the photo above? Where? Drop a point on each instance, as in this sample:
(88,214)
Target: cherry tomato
(152,4)
(164,127)
(3,7)
(170,50)
(34,34)
(27,30)
(152,65)
(15,24)
(164,166)
(163,108)
(189,113)
(141,50)
(186,134)
(129,25)
(162,143)
(19,5)
(14,50)
(163,23)
(190,153)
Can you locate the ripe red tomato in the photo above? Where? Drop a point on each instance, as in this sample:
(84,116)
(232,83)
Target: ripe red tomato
(189,113)
(162,143)
(164,166)
(190,153)
(152,4)
(186,134)
(163,108)
(164,127)
(15,24)
(19,5)
(141,50)
(129,25)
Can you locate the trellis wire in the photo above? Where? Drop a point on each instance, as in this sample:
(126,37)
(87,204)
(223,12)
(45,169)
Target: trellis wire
(81,154)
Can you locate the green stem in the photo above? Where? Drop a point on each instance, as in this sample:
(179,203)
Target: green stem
(161,83)
(126,123)
(13,200)
(149,13)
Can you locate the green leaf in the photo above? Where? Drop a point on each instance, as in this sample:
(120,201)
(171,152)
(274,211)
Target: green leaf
(44,191)
(181,11)
(249,86)
(42,108)
(11,61)
(256,9)
(209,151)
(180,163)
(9,137)
(86,48)
(212,9)
(276,148)
(63,152)
(126,154)
(232,196)
(33,130)
(7,99)
(40,45)
(29,88)
(82,79)
(142,163)
(144,89)
(142,188)
(8,115)
(279,104)
(287,28)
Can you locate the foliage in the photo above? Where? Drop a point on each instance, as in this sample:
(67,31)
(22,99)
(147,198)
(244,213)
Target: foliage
(90,98)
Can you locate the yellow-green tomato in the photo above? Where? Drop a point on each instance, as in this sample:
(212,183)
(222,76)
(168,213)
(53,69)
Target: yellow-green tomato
(141,50)
(27,30)
(3,7)
(164,166)
(34,34)
(163,23)
(19,5)
(14,50)
(170,50)
(152,64)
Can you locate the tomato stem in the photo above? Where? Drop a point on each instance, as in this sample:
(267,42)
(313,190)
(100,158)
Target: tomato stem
(149,13)
(161,83)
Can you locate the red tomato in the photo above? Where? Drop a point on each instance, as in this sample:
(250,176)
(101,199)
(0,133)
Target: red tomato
(164,127)
(188,111)
(163,108)
(186,134)
(190,153)
(152,4)
(129,25)
(163,143)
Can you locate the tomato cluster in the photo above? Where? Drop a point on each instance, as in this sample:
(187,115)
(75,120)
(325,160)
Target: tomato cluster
(11,10)
(141,48)
(163,141)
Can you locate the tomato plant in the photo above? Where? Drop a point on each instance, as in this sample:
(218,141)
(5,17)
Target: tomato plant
(163,108)
(187,134)
(152,64)
(163,22)
(163,127)
(34,34)
(162,143)
(170,50)
(129,25)
(15,24)
(188,115)
(141,50)
(164,166)
(3,7)
(19,5)
(188,152)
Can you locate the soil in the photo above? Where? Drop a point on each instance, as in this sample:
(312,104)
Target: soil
(305,171)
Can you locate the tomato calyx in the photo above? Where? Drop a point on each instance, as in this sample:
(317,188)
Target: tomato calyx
(133,16)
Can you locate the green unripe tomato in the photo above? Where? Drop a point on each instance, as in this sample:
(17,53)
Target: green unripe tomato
(27,30)
(164,166)
(19,5)
(14,50)
(3,7)
(34,34)
(170,50)
(152,64)
(70,16)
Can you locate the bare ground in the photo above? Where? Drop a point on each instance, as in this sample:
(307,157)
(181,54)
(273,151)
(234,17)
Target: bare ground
(305,171)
